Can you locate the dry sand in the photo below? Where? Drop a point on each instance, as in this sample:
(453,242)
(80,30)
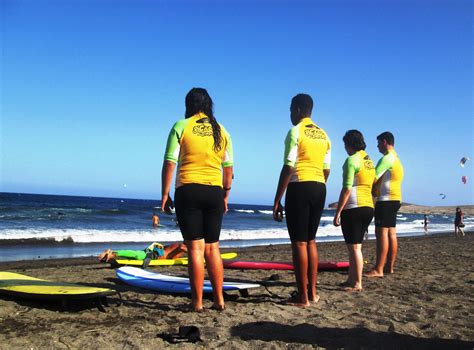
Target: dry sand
(427,304)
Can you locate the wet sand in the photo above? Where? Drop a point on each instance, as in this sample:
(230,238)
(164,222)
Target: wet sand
(427,304)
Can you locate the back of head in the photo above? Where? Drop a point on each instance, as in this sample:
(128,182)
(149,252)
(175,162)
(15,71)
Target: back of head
(198,100)
(354,139)
(387,136)
(304,102)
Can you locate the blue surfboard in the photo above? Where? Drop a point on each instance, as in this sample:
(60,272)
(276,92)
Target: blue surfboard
(170,284)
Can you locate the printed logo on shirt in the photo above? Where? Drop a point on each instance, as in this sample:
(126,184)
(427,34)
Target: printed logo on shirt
(312,131)
(368,164)
(204,129)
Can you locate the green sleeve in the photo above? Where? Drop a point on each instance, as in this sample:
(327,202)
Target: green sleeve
(384,164)
(291,147)
(174,137)
(229,151)
(347,174)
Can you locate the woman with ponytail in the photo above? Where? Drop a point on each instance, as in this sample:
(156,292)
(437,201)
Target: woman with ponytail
(202,148)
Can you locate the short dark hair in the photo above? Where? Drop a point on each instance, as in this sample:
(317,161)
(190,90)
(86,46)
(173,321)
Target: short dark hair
(354,139)
(387,136)
(304,102)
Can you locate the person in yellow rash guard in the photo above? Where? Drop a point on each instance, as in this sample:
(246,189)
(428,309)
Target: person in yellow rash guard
(355,208)
(203,150)
(303,177)
(388,193)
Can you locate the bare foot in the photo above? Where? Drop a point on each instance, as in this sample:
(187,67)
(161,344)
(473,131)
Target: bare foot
(218,307)
(296,300)
(353,289)
(314,299)
(374,273)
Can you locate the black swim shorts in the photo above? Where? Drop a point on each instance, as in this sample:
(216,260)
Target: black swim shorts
(199,210)
(304,204)
(386,213)
(354,223)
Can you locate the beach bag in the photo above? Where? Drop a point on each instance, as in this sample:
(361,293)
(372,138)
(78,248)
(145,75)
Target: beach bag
(461,225)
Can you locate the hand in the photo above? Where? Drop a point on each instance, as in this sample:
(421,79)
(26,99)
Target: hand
(226,208)
(337,220)
(278,212)
(166,204)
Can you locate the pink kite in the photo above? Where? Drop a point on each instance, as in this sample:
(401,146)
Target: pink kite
(464,179)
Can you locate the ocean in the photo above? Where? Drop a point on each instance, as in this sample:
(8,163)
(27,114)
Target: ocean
(50,226)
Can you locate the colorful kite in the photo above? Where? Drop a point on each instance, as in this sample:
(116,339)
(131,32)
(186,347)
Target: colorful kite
(464,179)
(463,161)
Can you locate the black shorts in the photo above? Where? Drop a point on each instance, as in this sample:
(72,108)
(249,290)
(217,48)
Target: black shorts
(304,204)
(199,210)
(355,222)
(386,213)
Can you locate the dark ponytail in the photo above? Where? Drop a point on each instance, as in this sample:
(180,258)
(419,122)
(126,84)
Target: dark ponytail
(198,100)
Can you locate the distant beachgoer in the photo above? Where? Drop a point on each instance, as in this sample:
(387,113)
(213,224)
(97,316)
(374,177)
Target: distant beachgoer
(156,220)
(459,223)
(355,208)
(157,251)
(425,224)
(203,150)
(388,193)
(303,177)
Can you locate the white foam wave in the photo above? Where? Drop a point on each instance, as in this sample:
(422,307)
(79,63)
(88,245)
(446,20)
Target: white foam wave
(269,212)
(248,211)
(171,235)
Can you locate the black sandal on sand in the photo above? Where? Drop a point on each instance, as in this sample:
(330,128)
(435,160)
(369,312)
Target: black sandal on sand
(185,334)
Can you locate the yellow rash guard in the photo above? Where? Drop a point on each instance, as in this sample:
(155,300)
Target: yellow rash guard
(359,175)
(308,150)
(389,170)
(191,145)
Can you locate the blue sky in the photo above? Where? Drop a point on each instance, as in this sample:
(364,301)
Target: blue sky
(90,89)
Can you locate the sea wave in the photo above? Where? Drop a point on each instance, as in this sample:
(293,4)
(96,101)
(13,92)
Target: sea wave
(165,234)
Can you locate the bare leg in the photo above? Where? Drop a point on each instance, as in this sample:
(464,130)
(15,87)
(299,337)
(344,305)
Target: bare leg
(216,273)
(196,271)
(174,251)
(461,231)
(355,268)
(350,273)
(392,250)
(300,263)
(312,271)
(381,234)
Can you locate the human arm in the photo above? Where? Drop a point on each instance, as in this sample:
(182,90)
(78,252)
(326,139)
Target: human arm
(227,184)
(348,173)
(166,178)
(285,177)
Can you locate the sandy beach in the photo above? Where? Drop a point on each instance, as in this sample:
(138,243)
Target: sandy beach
(426,304)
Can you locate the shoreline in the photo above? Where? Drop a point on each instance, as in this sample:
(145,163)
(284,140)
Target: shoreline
(38,249)
(426,304)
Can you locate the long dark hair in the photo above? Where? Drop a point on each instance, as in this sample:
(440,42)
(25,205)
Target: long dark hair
(198,100)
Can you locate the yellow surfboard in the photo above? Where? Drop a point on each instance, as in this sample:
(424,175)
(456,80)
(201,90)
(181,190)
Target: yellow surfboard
(164,262)
(30,287)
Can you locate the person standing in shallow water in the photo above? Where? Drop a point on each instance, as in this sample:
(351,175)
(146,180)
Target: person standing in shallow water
(355,208)
(388,193)
(303,176)
(203,150)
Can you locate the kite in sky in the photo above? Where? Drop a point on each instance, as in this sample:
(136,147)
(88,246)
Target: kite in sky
(463,161)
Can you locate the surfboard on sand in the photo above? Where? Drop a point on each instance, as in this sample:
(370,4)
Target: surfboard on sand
(275,265)
(163,262)
(170,284)
(34,288)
